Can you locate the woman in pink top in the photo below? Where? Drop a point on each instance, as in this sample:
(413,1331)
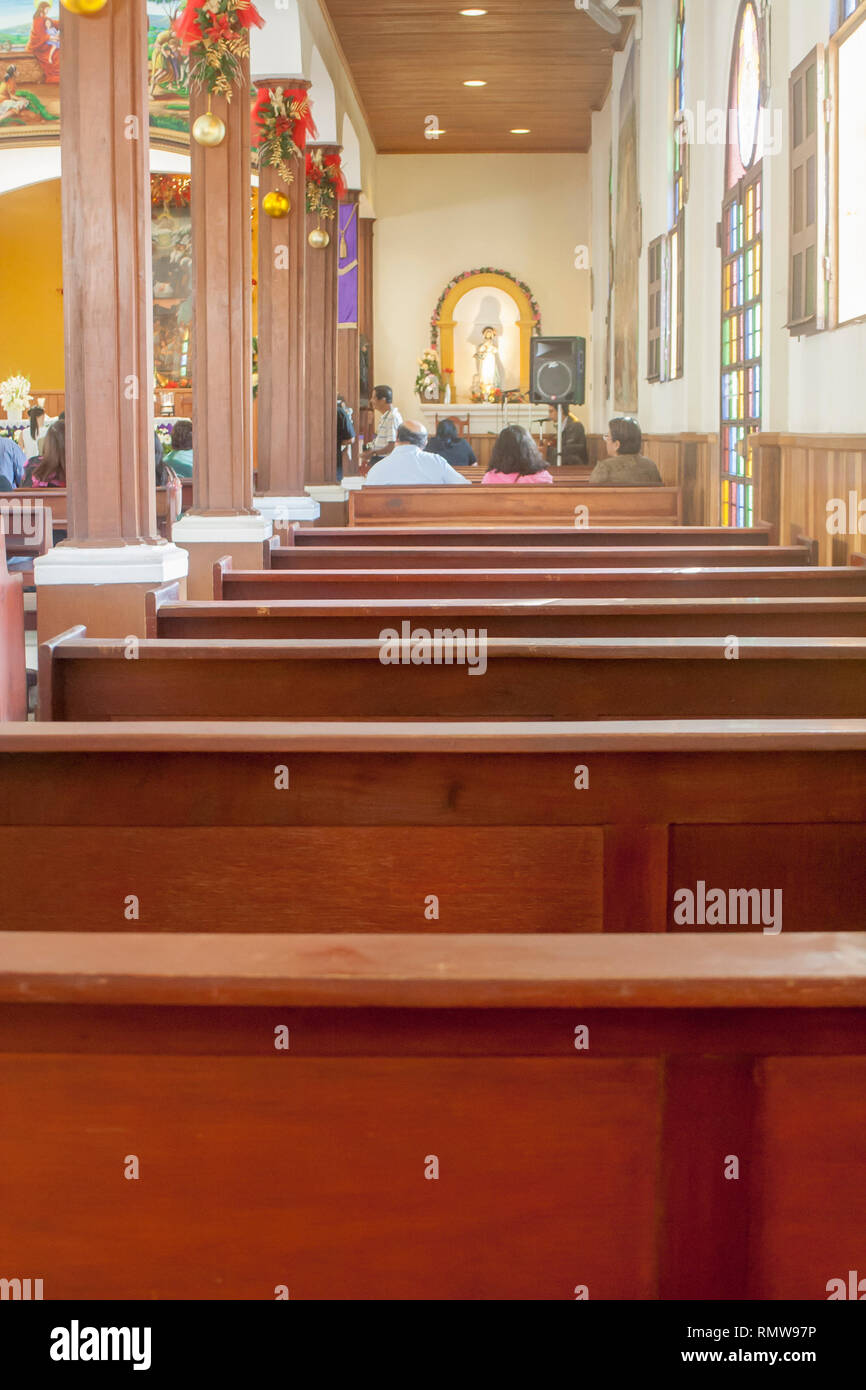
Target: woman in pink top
(515,459)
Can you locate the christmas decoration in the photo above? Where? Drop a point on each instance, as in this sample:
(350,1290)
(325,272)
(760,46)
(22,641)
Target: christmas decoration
(208,129)
(319,238)
(84,7)
(282,124)
(170,190)
(215,34)
(466,275)
(325,183)
(276,204)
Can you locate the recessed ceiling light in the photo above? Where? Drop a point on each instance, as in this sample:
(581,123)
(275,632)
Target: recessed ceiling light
(473,14)
(521,132)
(475,82)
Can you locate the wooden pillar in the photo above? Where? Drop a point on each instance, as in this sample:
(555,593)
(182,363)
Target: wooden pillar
(281,337)
(348,289)
(113,553)
(320,395)
(222,520)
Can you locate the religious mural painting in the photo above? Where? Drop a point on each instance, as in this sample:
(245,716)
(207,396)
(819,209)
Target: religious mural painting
(172,280)
(31,49)
(627,247)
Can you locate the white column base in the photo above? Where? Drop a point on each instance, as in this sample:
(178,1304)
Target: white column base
(353,484)
(211,530)
(285,509)
(122,564)
(327,492)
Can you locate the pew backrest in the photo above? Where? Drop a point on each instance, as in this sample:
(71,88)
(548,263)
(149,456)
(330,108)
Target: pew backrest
(13,668)
(341,557)
(507,505)
(318,537)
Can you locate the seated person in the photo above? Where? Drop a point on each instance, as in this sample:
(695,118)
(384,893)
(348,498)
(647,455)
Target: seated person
(12,462)
(447,443)
(625,465)
(573,437)
(179,457)
(408,463)
(345,433)
(35,431)
(382,404)
(515,459)
(49,469)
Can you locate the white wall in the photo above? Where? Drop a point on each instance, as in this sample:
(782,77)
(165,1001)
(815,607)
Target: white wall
(809,384)
(440,214)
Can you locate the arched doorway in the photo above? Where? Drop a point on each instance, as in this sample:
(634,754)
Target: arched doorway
(528,318)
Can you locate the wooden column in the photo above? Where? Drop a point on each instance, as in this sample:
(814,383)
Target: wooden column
(348,293)
(281,337)
(222,520)
(113,553)
(320,398)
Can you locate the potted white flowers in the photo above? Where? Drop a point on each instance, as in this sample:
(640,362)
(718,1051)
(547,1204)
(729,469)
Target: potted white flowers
(15,397)
(428,382)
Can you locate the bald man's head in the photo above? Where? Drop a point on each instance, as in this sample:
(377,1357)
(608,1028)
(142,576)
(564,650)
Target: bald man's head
(412,432)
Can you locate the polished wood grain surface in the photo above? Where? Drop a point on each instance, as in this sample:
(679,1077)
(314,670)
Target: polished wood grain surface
(389,557)
(527,536)
(13,675)
(507,505)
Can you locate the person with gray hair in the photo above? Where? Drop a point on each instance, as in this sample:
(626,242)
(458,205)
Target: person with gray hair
(408,464)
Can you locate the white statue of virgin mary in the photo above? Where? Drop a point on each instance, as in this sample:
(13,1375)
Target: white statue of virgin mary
(488,363)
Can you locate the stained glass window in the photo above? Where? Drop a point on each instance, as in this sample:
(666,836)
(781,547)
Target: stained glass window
(679,103)
(742,251)
(667,280)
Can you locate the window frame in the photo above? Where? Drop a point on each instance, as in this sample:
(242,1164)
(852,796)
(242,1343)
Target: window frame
(801,242)
(655,335)
(837,41)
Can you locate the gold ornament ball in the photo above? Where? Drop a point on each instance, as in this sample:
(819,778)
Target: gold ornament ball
(208,130)
(318,238)
(84,7)
(275,204)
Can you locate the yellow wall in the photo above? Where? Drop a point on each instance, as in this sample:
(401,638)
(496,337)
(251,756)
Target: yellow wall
(31,275)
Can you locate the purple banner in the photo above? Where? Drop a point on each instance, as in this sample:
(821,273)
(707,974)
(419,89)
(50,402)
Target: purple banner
(347,267)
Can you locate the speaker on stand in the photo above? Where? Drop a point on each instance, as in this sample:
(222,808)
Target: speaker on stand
(557,376)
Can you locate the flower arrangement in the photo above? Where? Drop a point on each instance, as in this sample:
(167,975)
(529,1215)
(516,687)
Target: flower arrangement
(15,396)
(170,190)
(428,366)
(325,183)
(215,34)
(467,275)
(282,124)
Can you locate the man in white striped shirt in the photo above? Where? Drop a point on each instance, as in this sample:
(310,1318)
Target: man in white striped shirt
(381,399)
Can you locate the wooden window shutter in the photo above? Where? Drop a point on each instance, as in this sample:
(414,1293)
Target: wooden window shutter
(806,283)
(654,309)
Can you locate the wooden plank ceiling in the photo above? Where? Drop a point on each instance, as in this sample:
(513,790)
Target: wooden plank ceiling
(547,67)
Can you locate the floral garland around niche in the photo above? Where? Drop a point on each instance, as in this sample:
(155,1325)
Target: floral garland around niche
(215,34)
(282,124)
(467,275)
(325,183)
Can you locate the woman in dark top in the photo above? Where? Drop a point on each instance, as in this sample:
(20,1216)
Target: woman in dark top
(448,444)
(49,470)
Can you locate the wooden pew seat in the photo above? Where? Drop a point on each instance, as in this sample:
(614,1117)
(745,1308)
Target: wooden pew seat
(308,619)
(509,505)
(340,557)
(366,586)
(559,1169)
(321,536)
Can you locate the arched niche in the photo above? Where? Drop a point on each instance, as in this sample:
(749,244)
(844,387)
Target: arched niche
(351,155)
(526,320)
(323,99)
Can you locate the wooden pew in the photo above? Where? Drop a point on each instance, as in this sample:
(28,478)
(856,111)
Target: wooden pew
(13,668)
(611,617)
(341,557)
(457,586)
(478,678)
(318,537)
(29,533)
(167,505)
(509,505)
(485,817)
(560,1170)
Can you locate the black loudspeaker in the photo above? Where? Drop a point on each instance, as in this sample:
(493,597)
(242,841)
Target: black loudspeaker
(557,371)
